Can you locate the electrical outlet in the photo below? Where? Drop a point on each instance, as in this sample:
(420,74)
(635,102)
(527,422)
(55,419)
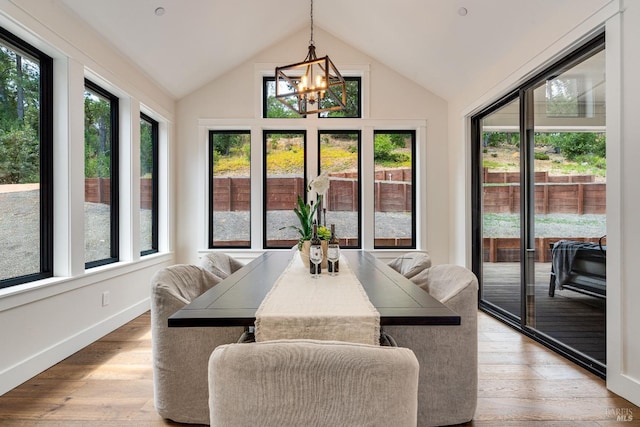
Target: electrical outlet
(106,298)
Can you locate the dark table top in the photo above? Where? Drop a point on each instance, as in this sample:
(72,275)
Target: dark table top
(234,301)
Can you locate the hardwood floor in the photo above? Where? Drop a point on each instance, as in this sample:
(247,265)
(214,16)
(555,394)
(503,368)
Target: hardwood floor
(576,320)
(109,383)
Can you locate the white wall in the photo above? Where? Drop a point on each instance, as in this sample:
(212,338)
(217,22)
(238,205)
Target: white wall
(43,322)
(623,156)
(623,316)
(390,100)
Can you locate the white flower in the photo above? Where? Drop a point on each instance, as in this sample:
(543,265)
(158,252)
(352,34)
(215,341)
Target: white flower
(320,184)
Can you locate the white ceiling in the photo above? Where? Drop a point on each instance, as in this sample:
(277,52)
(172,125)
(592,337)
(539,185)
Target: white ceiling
(427,41)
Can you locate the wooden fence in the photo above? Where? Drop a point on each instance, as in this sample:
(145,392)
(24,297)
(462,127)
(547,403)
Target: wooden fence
(98,190)
(549,198)
(540,177)
(233,193)
(507,249)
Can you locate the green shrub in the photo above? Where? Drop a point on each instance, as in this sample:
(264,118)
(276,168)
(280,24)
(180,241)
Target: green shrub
(384,150)
(541,156)
(574,144)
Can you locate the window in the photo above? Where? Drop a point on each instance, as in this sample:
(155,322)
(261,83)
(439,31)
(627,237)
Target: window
(284,179)
(353,100)
(26,162)
(340,157)
(148,185)
(101,176)
(272,108)
(230,187)
(394,189)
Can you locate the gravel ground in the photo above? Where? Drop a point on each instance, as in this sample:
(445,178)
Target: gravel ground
(20,229)
(236,225)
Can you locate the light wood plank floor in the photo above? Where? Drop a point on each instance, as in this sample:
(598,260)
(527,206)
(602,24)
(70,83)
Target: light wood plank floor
(109,383)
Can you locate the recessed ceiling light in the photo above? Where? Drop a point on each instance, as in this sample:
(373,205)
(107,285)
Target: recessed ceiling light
(159,11)
(463,11)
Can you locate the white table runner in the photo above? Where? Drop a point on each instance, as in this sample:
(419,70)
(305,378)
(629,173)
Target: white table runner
(328,308)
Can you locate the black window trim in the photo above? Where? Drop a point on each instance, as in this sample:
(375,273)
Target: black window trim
(154,184)
(358,79)
(46,158)
(210,242)
(411,132)
(348,132)
(114,172)
(265,132)
(589,48)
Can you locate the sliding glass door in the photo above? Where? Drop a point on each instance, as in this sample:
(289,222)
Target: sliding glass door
(501,228)
(567,158)
(540,207)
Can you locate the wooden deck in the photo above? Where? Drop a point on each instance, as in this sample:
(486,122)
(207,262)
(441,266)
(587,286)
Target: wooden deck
(575,319)
(110,383)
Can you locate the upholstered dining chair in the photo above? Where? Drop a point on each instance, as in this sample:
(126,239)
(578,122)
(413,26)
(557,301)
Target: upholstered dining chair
(180,355)
(312,383)
(220,264)
(448,355)
(411,263)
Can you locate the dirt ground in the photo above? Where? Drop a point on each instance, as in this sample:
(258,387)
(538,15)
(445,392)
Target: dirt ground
(509,159)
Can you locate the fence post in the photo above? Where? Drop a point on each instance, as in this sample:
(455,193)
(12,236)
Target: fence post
(580,199)
(493,250)
(228,182)
(511,197)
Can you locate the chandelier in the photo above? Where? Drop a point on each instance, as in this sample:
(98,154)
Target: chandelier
(313,85)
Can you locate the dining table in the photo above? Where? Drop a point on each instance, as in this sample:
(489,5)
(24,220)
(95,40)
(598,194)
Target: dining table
(235,300)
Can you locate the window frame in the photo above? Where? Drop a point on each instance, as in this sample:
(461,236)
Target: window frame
(524,93)
(267,79)
(45,159)
(154,183)
(414,200)
(114,175)
(359,214)
(210,201)
(265,133)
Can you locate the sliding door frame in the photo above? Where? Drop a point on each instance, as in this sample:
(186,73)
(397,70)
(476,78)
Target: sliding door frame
(524,92)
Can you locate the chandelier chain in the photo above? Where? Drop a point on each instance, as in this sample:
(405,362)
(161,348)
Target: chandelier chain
(311,15)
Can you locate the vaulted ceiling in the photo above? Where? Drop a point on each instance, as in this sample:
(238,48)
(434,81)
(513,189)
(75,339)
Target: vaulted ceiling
(440,44)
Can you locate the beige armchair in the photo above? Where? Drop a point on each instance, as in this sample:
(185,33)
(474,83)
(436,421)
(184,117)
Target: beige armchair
(220,264)
(180,355)
(411,264)
(448,355)
(312,383)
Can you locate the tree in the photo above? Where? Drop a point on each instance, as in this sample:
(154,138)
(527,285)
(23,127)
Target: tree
(225,143)
(146,148)
(19,118)
(19,156)
(97,136)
